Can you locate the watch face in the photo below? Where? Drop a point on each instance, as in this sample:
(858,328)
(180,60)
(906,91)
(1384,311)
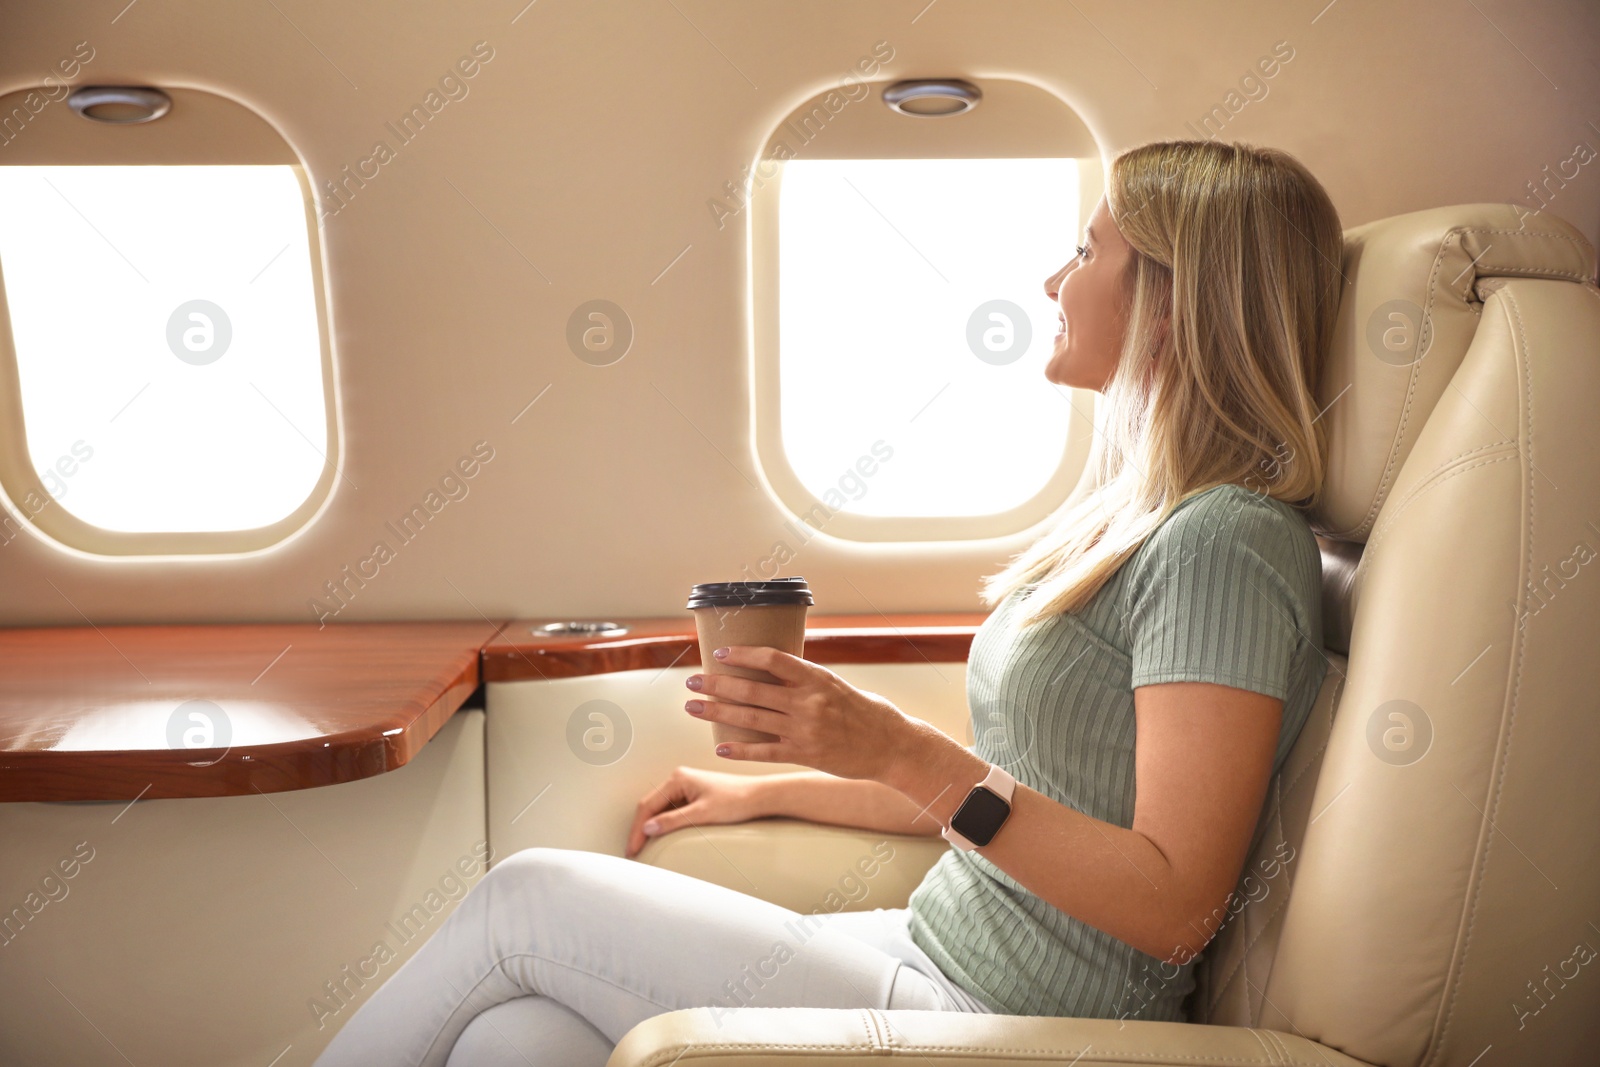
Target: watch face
(980,815)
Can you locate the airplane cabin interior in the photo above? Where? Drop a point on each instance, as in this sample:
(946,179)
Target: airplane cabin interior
(402,407)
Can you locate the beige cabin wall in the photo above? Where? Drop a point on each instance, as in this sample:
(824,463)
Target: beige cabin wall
(579,165)
(230,931)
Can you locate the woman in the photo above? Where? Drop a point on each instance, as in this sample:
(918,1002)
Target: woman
(1147,669)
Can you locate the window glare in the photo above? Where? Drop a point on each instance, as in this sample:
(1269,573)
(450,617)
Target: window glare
(167,342)
(889,274)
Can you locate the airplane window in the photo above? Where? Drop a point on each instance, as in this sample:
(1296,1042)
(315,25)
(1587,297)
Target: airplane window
(911,316)
(167,340)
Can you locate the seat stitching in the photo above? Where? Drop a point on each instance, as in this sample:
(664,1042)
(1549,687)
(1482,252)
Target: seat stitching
(1480,448)
(1519,232)
(1459,470)
(1244,966)
(890,1035)
(1283,1045)
(1583,247)
(1543,272)
(1026,1050)
(1244,958)
(1411,387)
(1282,902)
(1520,353)
(1262,1041)
(1446,464)
(1431,479)
(869,1025)
(1451,235)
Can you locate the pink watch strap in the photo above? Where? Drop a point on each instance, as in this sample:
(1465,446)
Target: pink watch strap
(998,781)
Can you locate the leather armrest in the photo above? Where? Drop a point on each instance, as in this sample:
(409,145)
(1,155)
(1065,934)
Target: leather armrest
(842,1037)
(805,866)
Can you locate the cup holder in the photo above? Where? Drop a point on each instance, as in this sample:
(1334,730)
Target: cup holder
(581,629)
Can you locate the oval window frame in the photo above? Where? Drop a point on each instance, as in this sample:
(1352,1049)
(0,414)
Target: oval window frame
(1016,120)
(202,128)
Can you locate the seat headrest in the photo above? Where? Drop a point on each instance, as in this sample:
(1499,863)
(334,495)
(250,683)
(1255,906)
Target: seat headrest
(1410,307)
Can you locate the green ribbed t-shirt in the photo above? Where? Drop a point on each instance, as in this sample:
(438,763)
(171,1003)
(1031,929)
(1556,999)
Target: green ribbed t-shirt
(1227,589)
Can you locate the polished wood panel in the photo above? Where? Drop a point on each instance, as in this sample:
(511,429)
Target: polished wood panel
(104,713)
(149,712)
(522,653)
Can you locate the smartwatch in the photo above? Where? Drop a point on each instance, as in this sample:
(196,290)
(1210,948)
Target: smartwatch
(981,815)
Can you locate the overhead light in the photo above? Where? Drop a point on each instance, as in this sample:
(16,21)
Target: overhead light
(119,105)
(932,97)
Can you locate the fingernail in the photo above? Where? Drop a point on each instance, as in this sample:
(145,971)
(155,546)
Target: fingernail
(693,681)
(721,653)
(651,827)
(695,707)
(722,750)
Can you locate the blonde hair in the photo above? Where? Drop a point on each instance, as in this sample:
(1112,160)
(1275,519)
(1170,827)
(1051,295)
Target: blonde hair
(1239,250)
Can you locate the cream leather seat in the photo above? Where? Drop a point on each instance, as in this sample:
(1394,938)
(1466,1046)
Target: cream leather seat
(1425,884)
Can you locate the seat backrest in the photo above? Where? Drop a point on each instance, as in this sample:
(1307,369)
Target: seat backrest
(1425,881)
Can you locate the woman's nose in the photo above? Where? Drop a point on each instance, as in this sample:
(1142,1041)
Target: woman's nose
(1052,284)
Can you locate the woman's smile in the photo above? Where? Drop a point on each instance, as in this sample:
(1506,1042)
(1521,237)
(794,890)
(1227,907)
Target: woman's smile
(1089,291)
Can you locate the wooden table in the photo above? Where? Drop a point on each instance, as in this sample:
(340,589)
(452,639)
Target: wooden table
(119,712)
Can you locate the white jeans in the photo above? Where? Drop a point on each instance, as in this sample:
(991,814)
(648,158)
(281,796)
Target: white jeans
(557,953)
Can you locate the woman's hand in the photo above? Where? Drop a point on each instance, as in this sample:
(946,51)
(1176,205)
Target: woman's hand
(821,720)
(692,797)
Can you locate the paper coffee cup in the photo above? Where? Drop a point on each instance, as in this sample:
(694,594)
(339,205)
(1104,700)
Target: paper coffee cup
(771,613)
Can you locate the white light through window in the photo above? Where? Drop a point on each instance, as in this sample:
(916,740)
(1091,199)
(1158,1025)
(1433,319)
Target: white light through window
(912,309)
(167,341)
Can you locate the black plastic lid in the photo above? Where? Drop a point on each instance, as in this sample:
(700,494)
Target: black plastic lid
(774,592)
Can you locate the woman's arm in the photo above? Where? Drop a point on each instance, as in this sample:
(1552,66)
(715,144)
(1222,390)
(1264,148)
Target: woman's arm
(1203,756)
(856,802)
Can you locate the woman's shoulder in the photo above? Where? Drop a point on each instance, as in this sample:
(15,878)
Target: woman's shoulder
(1237,509)
(1224,543)
(1215,522)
